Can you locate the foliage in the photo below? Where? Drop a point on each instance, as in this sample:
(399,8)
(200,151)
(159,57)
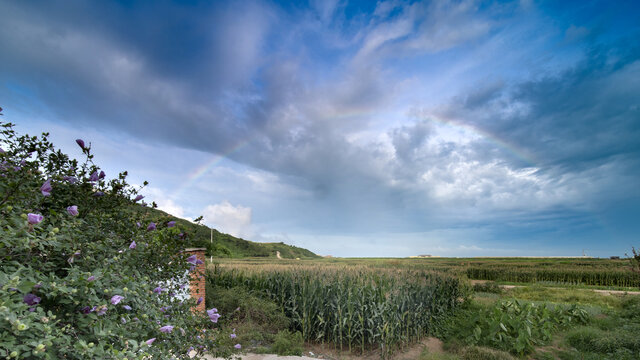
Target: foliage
(635,260)
(228,246)
(288,343)
(514,326)
(487,287)
(78,277)
(567,275)
(352,307)
(614,336)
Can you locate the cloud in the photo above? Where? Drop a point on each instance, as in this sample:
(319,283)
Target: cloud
(412,117)
(234,220)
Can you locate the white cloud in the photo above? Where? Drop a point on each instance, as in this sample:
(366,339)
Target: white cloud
(234,220)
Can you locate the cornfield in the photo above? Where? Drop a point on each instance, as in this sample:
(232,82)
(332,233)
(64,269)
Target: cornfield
(576,276)
(351,307)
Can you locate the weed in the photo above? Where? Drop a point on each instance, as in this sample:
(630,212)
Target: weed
(288,343)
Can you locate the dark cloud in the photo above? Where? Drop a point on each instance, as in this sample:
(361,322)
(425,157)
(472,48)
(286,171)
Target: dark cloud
(330,116)
(580,118)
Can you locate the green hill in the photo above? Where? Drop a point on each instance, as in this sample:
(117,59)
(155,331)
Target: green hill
(224,245)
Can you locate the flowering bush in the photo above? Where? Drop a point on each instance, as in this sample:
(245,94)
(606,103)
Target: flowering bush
(79,264)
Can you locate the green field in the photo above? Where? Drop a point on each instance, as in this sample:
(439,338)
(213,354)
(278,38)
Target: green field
(389,307)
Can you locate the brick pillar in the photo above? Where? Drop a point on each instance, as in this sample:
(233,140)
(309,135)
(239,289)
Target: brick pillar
(197,278)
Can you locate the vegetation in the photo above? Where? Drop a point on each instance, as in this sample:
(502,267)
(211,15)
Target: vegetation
(83,275)
(534,321)
(514,326)
(567,275)
(352,308)
(225,245)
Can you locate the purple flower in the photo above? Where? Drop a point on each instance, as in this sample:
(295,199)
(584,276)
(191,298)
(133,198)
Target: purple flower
(31,299)
(199,300)
(34,218)
(171,224)
(46,188)
(233,336)
(152,226)
(198,262)
(192,259)
(101,175)
(138,224)
(37,286)
(133,245)
(87,310)
(98,193)
(94,176)
(101,310)
(91,278)
(70,179)
(138,198)
(127,307)
(115,299)
(72,210)
(166,329)
(158,290)
(237,346)
(150,341)
(80,143)
(123,320)
(213,315)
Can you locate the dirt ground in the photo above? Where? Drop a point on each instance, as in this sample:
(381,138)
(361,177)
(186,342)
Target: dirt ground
(316,352)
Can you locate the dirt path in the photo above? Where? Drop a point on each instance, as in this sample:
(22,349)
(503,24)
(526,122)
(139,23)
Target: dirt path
(263,357)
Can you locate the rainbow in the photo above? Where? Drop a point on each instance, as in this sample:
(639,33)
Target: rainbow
(519,153)
(216,159)
(201,170)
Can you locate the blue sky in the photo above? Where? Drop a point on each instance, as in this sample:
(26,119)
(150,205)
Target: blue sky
(391,128)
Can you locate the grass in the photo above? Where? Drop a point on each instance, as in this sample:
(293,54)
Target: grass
(565,296)
(255,320)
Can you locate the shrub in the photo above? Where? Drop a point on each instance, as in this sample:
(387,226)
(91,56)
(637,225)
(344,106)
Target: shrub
(487,287)
(288,343)
(81,275)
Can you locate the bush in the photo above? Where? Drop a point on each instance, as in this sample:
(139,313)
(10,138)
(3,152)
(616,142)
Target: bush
(82,273)
(288,343)
(488,287)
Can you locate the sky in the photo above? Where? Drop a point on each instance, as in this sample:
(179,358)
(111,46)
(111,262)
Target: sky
(350,128)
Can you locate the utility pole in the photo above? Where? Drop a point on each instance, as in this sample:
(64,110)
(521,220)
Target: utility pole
(211,260)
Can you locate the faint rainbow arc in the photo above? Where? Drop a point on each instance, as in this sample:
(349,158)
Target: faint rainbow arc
(512,149)
(201,170)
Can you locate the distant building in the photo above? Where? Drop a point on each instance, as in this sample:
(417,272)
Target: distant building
(421,256)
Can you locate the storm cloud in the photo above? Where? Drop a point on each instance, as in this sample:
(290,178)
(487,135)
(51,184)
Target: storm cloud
(446,125)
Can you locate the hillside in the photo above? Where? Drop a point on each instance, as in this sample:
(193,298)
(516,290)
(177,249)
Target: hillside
(225,245)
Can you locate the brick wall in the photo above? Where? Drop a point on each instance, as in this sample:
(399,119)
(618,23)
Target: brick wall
(197,279)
